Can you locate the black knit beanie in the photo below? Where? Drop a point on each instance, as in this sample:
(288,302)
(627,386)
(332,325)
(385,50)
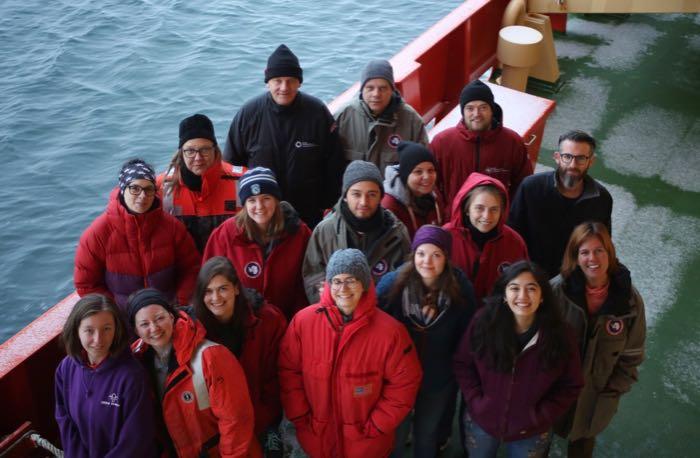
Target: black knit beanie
(196,126)
(283,62)
(144,298)
(476,90)
(410,155)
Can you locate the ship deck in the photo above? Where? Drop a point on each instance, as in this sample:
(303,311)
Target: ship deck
(633,81)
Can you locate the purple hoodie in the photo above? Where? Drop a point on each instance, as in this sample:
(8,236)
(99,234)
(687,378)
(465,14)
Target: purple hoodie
(107,411)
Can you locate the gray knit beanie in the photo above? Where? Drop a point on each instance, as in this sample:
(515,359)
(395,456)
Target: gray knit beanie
(378,68)
(358,171)
(349,261)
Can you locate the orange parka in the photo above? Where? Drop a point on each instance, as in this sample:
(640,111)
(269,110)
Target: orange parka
(346,386)
(206,406)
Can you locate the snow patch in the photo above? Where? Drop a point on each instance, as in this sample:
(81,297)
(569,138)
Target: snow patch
(694,42)
(653,141)
(586,114)
(681,372)
(639,238)
(573,50)
(624,44)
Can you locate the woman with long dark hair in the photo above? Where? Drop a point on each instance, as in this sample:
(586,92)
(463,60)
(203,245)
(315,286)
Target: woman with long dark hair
(252,330)
(598,299)
(435,302)
(103,402)
(518,367)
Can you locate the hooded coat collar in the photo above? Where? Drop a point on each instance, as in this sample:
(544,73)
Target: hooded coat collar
(474,180)
(619,293)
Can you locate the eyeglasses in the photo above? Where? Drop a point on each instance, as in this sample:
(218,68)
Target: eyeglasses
(581,159)
(348,282)
(135,190)
(205,151)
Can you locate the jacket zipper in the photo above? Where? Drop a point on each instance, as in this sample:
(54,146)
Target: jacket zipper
(478,153)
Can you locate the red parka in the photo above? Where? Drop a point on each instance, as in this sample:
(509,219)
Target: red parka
(498,152)
(206,407)
(483,267)
(347,386)
(277,277)
(123,252)
(203,211)
(264,326)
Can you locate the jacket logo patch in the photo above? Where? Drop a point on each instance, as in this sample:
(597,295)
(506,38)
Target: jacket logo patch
(362,390)
(188,397)
(380,268)
(503,266)
(301,144)
(614,327)
(394,140)
(252,269)
(112,400)
(230,205)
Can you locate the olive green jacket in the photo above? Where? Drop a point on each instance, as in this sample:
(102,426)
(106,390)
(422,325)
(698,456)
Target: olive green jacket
(612,347)
(384,253)
(375,139)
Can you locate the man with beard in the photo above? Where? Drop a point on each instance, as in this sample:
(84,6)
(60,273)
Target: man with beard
(479,143)
(548,205)
(357,221)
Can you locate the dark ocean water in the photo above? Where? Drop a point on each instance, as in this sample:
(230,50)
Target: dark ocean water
(88,84)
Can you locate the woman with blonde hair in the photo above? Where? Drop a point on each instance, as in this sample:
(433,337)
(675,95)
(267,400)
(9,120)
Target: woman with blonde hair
(597,297)
(199,188)
(265,242)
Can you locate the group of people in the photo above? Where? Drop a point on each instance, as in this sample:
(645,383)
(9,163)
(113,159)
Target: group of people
(218,300)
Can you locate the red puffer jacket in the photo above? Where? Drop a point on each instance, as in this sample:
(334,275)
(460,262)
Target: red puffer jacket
(278,277)
(206,407)
(483,268)
(347,386)
(123,252)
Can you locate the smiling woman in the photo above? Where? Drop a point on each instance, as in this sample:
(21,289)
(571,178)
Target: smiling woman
(134,243)
(99,374)
(518,367)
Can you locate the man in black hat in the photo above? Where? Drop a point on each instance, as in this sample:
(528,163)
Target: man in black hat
(479,143)
(294,135)
(373,124)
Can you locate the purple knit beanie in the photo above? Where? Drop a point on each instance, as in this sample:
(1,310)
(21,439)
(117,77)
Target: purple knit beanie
(435,235)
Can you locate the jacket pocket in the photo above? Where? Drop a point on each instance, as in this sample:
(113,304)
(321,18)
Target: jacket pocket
(358,442)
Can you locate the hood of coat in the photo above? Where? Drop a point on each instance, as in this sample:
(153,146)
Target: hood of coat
(365,308)
(474,180)
(395,187)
